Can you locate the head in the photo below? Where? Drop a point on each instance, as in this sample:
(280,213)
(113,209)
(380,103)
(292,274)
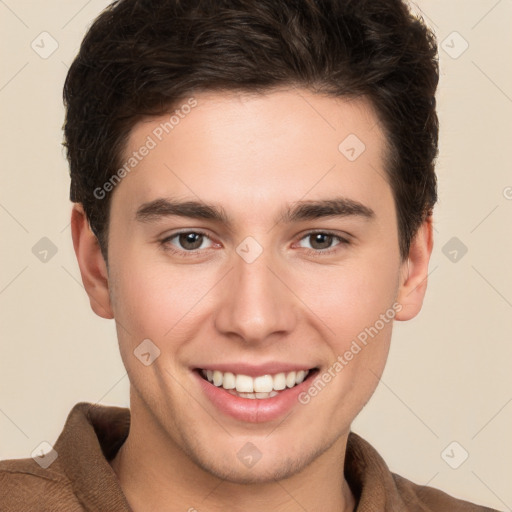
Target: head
(309,127)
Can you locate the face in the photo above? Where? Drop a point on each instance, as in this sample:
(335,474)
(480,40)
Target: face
(253,243)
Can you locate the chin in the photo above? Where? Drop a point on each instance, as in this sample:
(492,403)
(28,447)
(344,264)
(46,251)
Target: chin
(268,468)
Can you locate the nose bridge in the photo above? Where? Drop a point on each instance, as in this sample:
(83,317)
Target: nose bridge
(255,303)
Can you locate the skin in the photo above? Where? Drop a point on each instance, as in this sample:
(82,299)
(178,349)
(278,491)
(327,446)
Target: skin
(253,155)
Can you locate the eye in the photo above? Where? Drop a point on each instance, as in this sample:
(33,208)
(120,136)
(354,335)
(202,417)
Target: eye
(186,241)
(322,241)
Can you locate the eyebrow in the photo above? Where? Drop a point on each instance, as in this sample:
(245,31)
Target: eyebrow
(157,209)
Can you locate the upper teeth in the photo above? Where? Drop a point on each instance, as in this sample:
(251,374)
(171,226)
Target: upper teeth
(260,384)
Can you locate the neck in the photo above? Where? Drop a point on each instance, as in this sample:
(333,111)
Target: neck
(156,474)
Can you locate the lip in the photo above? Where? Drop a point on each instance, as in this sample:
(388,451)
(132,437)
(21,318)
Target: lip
(255,370)
(253,410)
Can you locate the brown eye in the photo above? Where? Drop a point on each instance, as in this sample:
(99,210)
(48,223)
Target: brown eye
(320,241)
(190,241)
(186,242)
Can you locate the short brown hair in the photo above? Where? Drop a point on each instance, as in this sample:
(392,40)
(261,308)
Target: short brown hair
(141,57)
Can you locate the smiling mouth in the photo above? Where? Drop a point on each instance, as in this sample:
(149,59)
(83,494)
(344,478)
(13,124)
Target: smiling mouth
(260,387)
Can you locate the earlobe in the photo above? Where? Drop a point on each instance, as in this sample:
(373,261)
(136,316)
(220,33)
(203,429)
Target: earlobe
(414,272)
(92,265)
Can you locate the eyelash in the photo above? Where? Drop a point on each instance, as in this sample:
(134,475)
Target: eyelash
(165,243)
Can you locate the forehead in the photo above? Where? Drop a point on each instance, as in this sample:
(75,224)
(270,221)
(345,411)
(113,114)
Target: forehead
(255,150)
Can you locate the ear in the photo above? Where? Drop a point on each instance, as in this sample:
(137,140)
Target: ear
(414,272)
(92,265)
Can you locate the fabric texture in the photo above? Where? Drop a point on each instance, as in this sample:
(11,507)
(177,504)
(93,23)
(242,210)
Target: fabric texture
(81,477)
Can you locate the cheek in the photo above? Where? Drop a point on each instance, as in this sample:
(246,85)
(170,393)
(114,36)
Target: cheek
(153,299)
(158,303)
(356,306)
(349,297)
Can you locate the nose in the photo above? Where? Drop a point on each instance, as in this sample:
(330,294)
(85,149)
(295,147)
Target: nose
(256,303)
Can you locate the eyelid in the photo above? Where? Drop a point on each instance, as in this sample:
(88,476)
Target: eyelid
(343,241)
(336,234)
(165,242)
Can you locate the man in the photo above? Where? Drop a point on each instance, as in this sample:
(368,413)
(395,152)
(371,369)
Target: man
(253,186)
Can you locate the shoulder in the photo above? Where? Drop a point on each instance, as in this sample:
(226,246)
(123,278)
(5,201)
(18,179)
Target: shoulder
(77,476)
(377,488)
(25,486)
(428,499)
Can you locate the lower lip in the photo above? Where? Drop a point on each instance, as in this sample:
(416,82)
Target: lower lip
(257,410)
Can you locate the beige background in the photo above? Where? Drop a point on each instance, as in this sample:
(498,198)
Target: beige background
(448,377)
